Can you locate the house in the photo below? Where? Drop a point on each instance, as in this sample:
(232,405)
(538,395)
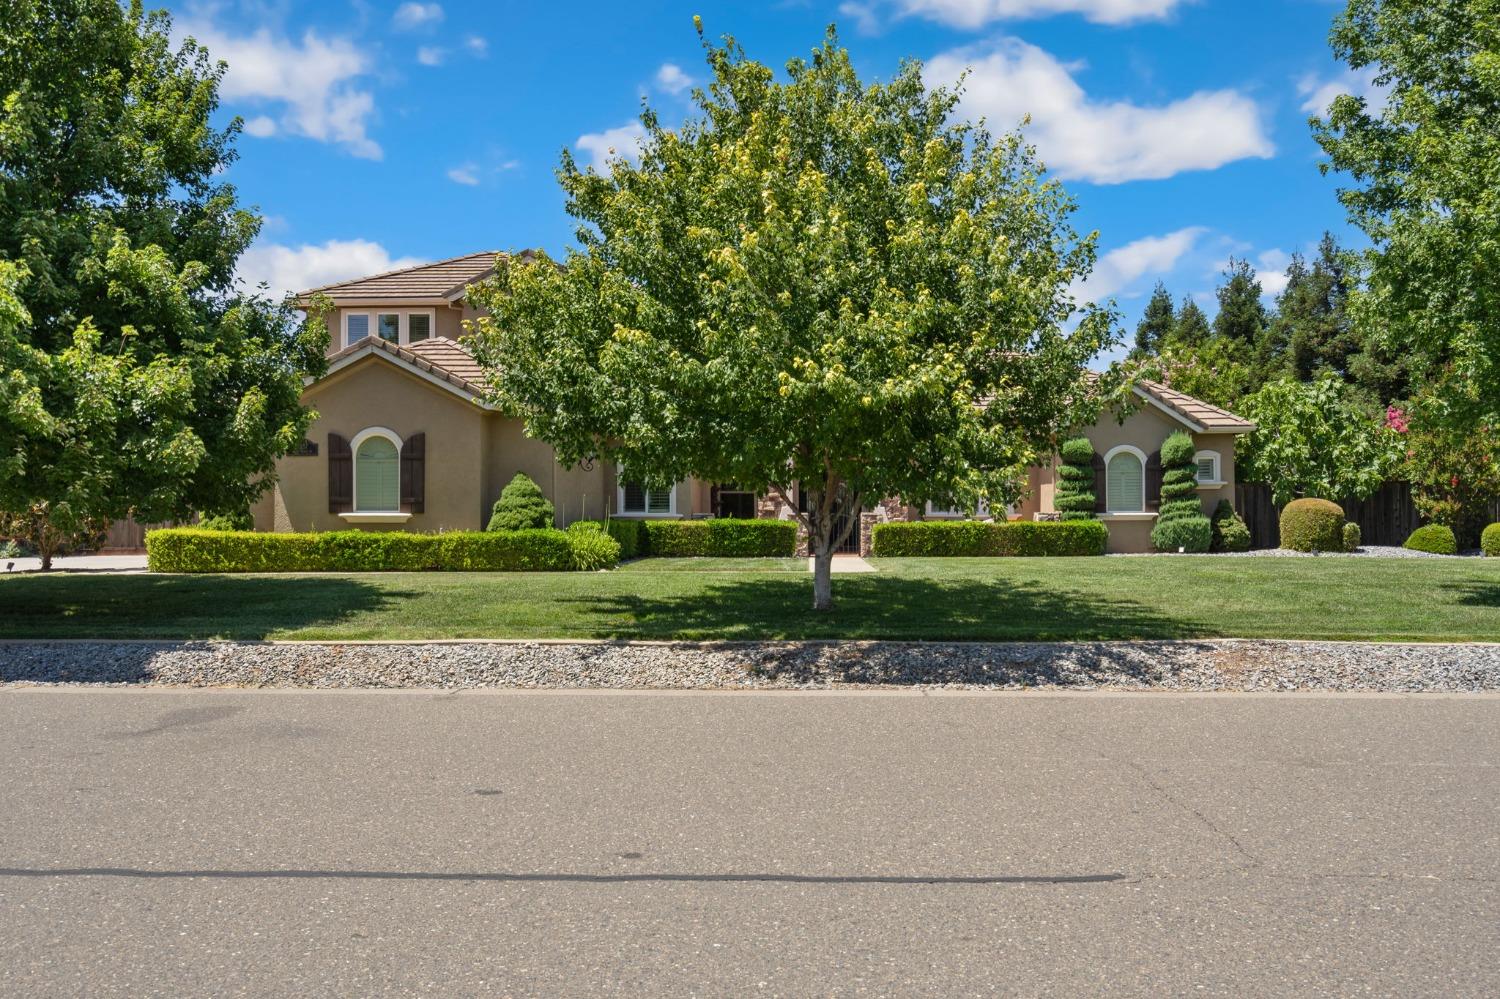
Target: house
(404,439)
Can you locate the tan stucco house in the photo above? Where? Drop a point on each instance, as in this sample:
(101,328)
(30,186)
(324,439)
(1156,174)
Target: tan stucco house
(404,439)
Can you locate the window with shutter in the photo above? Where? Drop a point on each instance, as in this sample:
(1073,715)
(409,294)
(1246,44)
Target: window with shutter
(1125,482)
(1208,466)
(636,498)
(377,476)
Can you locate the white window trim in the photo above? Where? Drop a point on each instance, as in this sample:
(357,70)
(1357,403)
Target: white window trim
(373,314)
(1217,482)
(983,513)
(358,516)
(620,511)
(1142,513)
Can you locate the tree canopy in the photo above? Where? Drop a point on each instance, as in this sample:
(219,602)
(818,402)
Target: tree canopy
(813,281)
(137,376)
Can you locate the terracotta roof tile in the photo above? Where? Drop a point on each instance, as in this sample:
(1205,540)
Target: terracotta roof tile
(440,279)
(443,358)
(1206,415)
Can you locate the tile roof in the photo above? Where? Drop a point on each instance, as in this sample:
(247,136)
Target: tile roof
(441,279)
(439,357)
(1207,416)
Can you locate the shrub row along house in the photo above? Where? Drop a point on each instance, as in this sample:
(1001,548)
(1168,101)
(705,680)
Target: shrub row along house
(404,438)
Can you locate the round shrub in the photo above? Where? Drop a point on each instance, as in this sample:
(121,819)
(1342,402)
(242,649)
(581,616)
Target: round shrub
(1230,533)
(1489,541)
(1434,538)
(1352,537)
(1177,451)
(1075,498)
(1312,525)
(1180,524)
(521,506)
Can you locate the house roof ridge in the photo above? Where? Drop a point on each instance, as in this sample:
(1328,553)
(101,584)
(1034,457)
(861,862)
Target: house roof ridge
(404,270)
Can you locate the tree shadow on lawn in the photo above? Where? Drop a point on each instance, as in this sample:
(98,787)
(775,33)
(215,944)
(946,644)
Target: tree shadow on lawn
(880,607)
(1476,595)
(245,608)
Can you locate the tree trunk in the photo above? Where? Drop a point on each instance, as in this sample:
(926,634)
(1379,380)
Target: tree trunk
(822,573)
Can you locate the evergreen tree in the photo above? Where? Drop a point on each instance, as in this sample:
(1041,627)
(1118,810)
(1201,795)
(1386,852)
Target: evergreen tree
(1191,328)
(521,506)
(1242,317)
(1156,325)
(1310,316)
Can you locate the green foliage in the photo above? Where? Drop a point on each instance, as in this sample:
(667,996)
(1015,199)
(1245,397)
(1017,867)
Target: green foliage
(193,549)
(979,539)
(1312,525)
(1489,541)
(1157,323)
(1453,466)
(592,548)
(521,506)
(1180,524)
(718,538)
(1437,539)
(238,521)
(1242,317)
(48,531)
(1353,536)
(629,536)
(811,280)
(134,375)
(1230,533)
(1312,439)
(1192,327)
(1075,498)
(1216,370)
(1425,164)
(586,525)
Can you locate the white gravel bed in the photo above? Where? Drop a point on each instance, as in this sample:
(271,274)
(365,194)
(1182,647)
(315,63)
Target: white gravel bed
(1248,665)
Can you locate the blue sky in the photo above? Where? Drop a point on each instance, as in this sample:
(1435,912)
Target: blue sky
(379,134)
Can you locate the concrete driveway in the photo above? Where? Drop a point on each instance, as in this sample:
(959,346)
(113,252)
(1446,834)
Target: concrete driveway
(301,842)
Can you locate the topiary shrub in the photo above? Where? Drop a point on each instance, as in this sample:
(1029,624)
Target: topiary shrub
(1075,498)
(1489,541)
(1312,525)
(1434,538)
(1352,537)
(521,506)
(1230,533)
(1180,525)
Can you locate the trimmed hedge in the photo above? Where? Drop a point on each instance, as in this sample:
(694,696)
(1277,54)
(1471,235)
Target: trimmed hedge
(970,539)
(1489,541)
(1434,538)
(189,549)
(627,533)
(717,538)
(1075,498)
(1312,525)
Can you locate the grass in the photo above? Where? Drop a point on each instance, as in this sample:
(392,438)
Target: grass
(934,599)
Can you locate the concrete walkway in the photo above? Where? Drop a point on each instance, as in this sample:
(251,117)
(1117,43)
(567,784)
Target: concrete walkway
(78,563)
(847,563)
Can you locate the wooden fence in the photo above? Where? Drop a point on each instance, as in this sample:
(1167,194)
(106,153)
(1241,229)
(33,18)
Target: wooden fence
(1386,518)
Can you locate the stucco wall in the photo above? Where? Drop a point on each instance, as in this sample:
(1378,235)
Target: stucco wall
(446,321)
(576,493)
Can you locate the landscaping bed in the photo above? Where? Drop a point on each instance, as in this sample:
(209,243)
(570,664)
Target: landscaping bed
(1225,665)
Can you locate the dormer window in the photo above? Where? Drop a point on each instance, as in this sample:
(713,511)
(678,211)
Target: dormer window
(403,327)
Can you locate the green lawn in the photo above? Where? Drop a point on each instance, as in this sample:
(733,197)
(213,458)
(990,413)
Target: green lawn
(1416,599)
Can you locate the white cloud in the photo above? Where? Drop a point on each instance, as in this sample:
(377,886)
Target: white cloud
(973,14)
(287,269)
(465,173)
(862,14)
(1121,267)
(1270,270)
(604,146)
(672,79)
(478,46)
(260,126)
(1317,94)
(313,80)
(1107,142)
(416,15)
(430,55)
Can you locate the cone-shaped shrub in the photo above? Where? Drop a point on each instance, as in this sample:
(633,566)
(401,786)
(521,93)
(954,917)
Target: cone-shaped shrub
(521,506)
(1180,524)
(1075,480)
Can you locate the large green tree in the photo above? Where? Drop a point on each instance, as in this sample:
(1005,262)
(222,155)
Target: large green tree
(813,281)
(137,376)
(1424,157)
(1157,323)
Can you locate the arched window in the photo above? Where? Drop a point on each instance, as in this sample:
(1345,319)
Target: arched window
(1125,480)
(377,471)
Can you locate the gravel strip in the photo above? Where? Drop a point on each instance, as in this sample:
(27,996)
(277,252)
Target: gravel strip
(1248,665)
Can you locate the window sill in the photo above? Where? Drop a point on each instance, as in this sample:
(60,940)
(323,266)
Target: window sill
(646,516)
(376,517)
(1212,484)
(1127,516)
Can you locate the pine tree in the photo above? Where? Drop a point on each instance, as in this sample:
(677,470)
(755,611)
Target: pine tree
(1241,317)
(1156,324)
(521,506)
(1191,328)
(1311,319)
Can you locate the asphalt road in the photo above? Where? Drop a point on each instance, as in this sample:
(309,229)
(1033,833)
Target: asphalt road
(361,843)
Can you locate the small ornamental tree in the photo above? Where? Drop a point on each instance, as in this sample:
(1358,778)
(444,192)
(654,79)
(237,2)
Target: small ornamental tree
(1075,498)
(1181,524)
(815,286)
(521,505)
(1454,469)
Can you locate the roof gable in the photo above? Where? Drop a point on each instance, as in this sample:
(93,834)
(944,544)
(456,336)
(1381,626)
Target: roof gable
(443,362)
(442,280)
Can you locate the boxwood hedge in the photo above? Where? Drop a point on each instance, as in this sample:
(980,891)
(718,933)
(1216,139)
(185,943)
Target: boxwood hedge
(969,538)
(188,549)
(716,538)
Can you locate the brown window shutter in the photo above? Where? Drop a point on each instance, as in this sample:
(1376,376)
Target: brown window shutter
(340,475)
(1153,481)
(414,473)
(1100,500)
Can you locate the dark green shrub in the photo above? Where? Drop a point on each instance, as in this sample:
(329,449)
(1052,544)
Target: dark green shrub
(971,539)
(241,521)
(1352,536)
(674,538)
(629,535)
(1230,533)
(592,548)
(1075,498)
(1180,523)
(1312,525)
(731,538)
(521,506)
(1434,538)
(1489,541)
(191,549)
